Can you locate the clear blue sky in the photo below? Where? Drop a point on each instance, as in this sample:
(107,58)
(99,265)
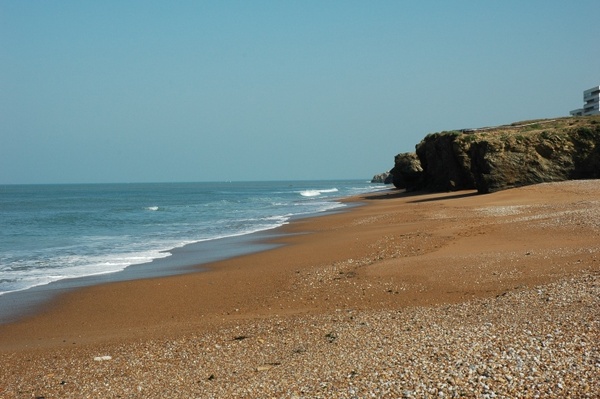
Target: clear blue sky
(153,91)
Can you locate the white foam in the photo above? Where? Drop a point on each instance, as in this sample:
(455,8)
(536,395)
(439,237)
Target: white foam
(74,266)
(315,193)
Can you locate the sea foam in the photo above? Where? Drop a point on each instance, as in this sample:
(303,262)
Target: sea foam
(315,193)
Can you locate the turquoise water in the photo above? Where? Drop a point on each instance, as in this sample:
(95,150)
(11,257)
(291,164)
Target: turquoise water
(51,233)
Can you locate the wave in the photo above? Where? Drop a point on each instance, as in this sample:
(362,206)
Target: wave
(126,234)
(315,193)
(77,266)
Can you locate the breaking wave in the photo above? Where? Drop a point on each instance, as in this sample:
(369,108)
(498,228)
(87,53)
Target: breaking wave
(315,193)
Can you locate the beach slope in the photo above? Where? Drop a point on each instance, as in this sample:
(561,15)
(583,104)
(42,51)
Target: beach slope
(411,295)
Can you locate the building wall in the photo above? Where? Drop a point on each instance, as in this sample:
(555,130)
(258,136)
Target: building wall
(591,103)
(576,112)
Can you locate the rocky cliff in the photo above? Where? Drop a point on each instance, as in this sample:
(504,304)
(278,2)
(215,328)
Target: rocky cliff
(492,159)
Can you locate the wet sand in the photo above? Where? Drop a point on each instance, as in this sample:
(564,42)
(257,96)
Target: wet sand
(269,323)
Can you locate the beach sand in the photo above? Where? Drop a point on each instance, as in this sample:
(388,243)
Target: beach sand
(410,295)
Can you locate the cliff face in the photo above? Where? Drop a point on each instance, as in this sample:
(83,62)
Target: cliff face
(492,159)
(445,161)
(407,172)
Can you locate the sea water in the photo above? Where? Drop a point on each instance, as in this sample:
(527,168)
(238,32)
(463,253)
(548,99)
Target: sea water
(50,233)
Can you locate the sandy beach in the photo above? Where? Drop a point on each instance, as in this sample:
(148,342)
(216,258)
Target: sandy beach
(409,295)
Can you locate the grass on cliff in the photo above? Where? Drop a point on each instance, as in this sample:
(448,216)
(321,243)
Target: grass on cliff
(546,128)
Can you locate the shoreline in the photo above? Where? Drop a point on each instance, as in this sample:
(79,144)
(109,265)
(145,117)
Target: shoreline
(190,258)
(328,247)
(376,272)
(19,304)
(215,223)
(33,303)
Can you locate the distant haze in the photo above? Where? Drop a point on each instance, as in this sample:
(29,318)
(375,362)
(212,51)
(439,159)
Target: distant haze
(139,91)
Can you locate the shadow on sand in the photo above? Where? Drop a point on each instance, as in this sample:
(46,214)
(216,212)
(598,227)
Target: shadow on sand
(404,194)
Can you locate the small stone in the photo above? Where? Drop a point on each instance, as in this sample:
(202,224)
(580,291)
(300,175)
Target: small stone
(331,336)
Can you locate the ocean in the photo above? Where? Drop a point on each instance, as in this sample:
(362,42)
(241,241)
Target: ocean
(54,233)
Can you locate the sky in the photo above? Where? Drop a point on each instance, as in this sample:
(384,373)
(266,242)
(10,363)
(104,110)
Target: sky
(186,91)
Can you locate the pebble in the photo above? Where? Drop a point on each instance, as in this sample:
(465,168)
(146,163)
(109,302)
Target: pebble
(102,358)
(449,352)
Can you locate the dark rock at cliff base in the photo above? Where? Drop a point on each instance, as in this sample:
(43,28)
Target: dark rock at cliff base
(493,159)
(445,161)
(407,172)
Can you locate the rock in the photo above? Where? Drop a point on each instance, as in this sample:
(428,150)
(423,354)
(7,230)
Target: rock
(385,178)
(331,336)
(493,159)
(445,161)
(543,156)
(407,172)
(268,366)
(102,358)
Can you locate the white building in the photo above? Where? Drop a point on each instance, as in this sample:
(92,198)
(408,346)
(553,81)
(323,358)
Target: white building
(591,103)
